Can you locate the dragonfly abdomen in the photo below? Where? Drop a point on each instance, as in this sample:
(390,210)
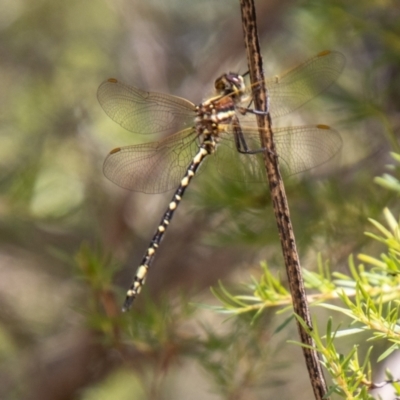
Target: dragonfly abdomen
(204,150)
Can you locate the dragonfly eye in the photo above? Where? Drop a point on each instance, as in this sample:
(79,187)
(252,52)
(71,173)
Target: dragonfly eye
(230,83)
(221,84)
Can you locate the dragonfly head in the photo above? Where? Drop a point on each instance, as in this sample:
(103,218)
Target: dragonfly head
(230,84)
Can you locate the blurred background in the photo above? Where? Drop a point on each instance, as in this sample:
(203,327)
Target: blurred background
(71,240)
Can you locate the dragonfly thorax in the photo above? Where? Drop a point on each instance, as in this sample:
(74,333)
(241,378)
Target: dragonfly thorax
(212,112)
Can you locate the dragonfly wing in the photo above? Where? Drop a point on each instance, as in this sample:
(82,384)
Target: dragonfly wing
(300,148)
(152,167)
(145,112)
(299,85)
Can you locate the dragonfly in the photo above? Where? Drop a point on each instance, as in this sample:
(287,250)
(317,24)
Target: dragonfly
(214,127)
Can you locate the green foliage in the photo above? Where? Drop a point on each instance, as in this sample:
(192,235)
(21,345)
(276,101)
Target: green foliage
(350,379)
(368,297)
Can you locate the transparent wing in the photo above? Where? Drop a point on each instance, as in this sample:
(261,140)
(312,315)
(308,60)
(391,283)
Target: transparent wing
(159,166)
(152,167)
(299,85)
(300,148)
(144,112)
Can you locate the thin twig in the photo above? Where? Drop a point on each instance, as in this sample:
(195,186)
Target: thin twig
(279,199)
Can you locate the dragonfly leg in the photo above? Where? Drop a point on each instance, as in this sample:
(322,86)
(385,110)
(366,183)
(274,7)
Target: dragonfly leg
(257,112)
(241,144)
(245,110)
(240,141)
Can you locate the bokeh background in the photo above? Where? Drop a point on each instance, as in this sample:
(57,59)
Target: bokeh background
(70,239)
